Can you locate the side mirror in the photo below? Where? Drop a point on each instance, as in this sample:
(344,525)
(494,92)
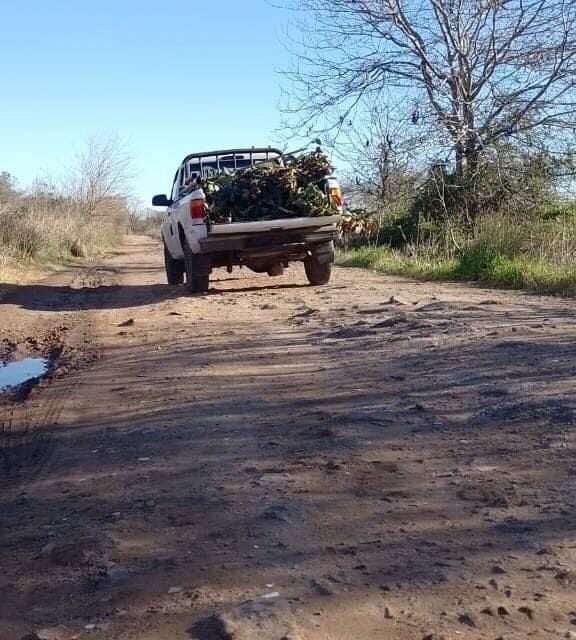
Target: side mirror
(161,201)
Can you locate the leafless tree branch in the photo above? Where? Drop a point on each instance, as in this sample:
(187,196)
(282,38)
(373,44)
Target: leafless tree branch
(479,71)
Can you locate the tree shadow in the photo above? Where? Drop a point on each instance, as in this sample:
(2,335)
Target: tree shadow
(210,628)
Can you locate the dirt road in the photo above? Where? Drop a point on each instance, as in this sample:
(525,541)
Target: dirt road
(374,459)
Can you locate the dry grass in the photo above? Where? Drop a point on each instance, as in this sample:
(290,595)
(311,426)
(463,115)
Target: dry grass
(145,223)
(77,216)
(532,253)
(14,271)
(39,230)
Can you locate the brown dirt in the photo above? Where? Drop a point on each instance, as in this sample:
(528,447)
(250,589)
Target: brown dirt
(279,461)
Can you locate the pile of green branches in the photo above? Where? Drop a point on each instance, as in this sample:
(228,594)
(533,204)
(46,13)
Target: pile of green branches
(293,189)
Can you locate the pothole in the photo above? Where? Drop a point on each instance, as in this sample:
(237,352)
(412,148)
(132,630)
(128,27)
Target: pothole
(18,372)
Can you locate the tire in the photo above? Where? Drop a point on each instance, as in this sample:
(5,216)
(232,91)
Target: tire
(174,268)
(318,266)
(276,270)
(197,275)
(316,273)
(201,284)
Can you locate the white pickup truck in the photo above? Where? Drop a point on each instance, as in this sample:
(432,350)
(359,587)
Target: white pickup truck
(193,245)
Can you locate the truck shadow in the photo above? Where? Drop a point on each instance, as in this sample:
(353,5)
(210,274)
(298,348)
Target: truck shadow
(43,297)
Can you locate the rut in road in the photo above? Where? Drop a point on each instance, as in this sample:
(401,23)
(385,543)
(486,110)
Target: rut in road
(376,458)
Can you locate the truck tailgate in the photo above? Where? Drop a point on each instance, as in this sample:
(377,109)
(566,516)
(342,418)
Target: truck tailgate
(281,224)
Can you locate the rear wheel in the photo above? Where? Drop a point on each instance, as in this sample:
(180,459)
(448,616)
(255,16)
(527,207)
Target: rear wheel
(174,268)
(318,265)
(276,270)
(197,271)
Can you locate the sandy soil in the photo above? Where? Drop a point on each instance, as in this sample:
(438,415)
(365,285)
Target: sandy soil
(374,459)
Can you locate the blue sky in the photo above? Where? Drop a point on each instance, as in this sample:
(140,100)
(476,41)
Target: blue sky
(168,77)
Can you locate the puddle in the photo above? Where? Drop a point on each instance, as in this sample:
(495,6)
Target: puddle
(15,373)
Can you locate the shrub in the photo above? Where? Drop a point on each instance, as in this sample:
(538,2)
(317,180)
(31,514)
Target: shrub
(56,229)
(145,222)
(19,235)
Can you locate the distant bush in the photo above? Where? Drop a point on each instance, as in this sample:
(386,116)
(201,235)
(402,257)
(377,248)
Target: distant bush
(18,235)
(506,182)
(53,229)
(536,252)
(84,216)
(145,222)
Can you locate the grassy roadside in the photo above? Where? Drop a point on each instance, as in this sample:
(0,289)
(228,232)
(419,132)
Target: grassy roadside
(14,272)
(42,234)
(82,214)
(18,271)
(476,263)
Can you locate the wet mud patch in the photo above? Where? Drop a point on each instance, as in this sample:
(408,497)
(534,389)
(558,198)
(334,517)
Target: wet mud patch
(17,372)
(26,441)
(37,358)
(25,445)
(24,369)
(554,411)
(37,344)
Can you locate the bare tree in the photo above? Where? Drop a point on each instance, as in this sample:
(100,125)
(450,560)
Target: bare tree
(102,172)
(380,153)
(473,72)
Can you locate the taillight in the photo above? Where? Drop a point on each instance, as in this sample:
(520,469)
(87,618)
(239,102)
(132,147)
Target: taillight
(335,194)
(197,209)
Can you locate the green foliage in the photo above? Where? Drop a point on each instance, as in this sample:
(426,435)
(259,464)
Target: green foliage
(483,262)
(504,181)
(402,229)
(477,265)
(502,223)
(559,210)
(393,262)
(271,190)
(477,261)
(502,251)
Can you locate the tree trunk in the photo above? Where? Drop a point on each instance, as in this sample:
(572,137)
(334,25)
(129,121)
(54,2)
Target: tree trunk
(467,157)
(461,163)
(467,160)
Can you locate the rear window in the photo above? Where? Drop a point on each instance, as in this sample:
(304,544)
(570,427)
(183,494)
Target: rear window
(213,165)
